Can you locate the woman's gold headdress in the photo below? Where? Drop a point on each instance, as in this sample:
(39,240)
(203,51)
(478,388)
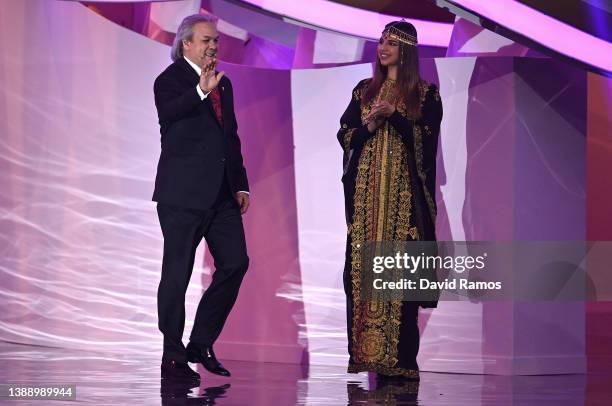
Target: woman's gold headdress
(393,32)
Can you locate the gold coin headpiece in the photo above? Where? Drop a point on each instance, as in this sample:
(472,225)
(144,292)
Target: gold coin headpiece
(396,34)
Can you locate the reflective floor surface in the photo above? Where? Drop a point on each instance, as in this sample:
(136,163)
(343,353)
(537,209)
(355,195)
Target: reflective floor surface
(117,380)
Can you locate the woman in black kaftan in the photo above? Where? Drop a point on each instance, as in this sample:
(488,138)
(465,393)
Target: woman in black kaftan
(389,134)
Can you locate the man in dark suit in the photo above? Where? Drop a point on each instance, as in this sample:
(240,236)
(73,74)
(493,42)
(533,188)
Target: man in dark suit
(201,190)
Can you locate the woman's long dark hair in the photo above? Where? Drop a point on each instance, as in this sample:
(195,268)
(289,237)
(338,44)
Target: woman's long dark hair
(408,76)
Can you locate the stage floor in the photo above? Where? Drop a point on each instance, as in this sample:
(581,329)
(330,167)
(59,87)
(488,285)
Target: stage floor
(106,379)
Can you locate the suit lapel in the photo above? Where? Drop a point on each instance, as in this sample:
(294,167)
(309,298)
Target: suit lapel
(193,75)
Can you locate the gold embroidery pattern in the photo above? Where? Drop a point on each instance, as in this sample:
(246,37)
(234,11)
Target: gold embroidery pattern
(401,105)
(348,132)
(418,149)
(418,152)
(424,88)
(347,139)
(359,91)
(418,144)
(379,215)
(403,210)
(365,110)
(372,367)
(436,94)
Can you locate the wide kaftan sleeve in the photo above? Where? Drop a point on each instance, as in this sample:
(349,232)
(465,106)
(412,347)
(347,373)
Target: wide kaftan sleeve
(421,138)
(353,134)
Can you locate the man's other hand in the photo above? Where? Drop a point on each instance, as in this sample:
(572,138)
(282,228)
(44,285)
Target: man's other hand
(243,201)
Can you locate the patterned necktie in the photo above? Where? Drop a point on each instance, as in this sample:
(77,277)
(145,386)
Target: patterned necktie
(215,97)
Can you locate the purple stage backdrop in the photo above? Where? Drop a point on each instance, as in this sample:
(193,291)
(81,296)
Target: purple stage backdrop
(81,246)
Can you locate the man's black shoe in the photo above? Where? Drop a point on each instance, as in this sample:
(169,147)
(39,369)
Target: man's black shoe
(206,356)
(171,369)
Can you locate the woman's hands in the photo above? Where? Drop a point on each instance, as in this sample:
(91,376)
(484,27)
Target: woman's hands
(381,110)
(374,123)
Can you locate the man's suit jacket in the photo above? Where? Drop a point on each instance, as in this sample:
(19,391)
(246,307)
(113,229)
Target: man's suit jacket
(196,151)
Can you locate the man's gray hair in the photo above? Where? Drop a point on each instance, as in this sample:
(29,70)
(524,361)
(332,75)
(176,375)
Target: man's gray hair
(185,32)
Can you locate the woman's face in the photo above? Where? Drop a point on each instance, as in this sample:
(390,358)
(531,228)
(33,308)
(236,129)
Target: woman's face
(388,51)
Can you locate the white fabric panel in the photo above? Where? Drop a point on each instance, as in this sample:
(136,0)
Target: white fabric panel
(168,15)
(336,48)
(485,41)
(452,339)
(319,97)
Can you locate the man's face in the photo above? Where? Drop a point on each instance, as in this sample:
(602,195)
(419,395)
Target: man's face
(202,48)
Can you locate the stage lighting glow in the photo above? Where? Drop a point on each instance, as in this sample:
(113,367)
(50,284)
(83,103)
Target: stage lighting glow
(545,30)
(350,20)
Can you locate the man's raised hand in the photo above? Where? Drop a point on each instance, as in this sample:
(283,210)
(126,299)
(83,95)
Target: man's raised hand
(208,79)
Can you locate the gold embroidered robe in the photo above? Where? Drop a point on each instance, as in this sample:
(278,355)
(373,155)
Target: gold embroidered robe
(389,186)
